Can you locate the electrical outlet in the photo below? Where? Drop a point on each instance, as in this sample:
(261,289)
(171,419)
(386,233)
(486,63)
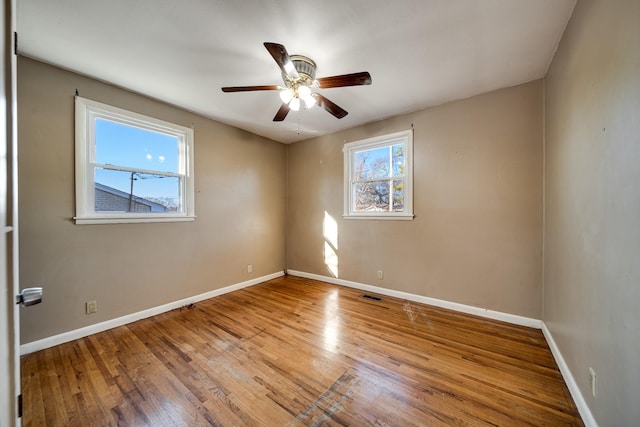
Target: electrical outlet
(592,380)
(380,274)
(249,268)
(92,307)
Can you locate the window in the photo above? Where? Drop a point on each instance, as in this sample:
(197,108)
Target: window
(131,168)
(378,177)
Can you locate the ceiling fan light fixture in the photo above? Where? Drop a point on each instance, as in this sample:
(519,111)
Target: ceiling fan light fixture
(304,93)
(286,95)
(309,101)
(294,104)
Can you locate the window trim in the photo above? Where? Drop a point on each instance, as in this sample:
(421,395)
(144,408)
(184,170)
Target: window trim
(86,113)
(349,149)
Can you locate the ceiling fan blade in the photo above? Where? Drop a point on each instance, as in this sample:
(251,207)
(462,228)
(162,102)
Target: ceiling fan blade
(283,60)
(354,79)
(332,108)
(282,113)
(248,88)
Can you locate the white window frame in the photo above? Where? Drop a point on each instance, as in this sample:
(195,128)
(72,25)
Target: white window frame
(86,113)
(351,148)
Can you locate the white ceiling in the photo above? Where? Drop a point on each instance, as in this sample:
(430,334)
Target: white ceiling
(420,53)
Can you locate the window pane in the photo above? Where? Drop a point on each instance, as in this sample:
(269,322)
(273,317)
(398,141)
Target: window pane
(398,160)
(371,164)
(123,191)
(134,147)
(398,195)
(371,196)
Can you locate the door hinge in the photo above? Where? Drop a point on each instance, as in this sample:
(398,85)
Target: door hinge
(20,405)
(15,43)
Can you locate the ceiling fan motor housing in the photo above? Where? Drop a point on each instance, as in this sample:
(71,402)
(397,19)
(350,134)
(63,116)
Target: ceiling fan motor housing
(305,67)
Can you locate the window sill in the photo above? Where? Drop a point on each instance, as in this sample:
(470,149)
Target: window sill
(131,219)
(381,217)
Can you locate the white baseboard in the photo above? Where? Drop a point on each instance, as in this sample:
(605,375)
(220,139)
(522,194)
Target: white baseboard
(578,398)
(490,314)
(129,318)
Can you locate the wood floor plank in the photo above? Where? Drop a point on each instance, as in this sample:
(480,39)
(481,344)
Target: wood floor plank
(299,352)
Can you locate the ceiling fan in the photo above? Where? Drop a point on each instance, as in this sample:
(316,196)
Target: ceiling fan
(299,76)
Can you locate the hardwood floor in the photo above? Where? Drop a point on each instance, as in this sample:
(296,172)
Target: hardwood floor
(292,352)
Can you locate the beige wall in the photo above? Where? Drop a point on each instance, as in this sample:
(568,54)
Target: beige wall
(240,204)
(592,212)
(477,235)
